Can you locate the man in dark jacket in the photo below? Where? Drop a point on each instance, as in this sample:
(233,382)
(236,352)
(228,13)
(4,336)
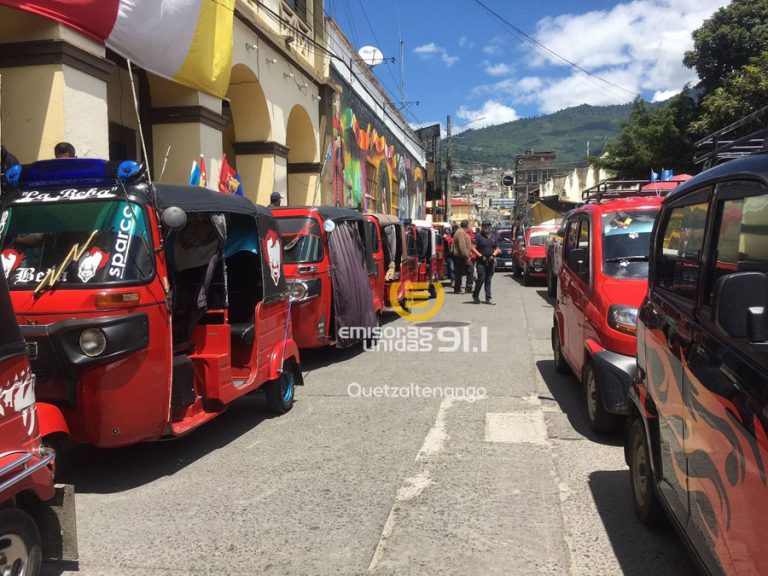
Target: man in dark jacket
(485,249)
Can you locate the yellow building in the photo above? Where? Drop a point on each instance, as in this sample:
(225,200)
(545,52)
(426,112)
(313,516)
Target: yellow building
(59,84)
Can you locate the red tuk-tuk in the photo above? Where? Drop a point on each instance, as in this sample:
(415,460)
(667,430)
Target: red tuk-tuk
(331,275)
(29,503)
(439,228)
(146,310)
(421,235)
(394,263)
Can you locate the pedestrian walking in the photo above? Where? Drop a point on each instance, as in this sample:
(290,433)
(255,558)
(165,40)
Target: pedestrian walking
(461,250)
(485,249)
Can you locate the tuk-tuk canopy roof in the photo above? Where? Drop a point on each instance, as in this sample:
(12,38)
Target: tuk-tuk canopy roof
(338,214)
(197,199)
(385,219)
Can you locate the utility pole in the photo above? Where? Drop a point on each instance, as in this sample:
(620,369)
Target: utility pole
(448,168)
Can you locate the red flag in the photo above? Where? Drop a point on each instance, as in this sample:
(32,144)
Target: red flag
(203,175)
(229,179)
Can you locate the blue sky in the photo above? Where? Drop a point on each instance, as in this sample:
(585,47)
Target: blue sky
(461,61)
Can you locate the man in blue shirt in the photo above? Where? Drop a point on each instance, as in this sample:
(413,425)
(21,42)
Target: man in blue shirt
(486,249)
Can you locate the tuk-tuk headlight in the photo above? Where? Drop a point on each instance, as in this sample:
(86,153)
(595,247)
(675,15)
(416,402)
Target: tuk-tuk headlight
(623,318)
(298,290)
(93,342)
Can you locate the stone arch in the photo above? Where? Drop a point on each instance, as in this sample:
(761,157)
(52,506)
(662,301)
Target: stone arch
(247,137)
(303,166)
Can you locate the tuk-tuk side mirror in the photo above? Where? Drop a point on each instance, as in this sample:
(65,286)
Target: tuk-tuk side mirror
(561,232)
(329,226)
(174,218)
(575,259)
(739,303)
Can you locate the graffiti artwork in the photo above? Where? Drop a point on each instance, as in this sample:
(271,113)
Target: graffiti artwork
(373,171)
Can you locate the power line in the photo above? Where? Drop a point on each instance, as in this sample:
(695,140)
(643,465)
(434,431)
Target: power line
(531,40)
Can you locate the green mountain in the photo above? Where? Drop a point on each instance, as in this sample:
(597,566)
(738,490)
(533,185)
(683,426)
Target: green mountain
(565,132)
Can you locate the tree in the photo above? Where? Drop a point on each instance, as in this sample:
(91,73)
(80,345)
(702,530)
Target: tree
(727,41)
(743,91)
(653,139)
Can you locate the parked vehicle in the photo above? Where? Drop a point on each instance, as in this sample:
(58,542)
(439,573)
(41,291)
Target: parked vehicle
(421,235)
(554,257)
(331,274)
(30,505)
(697,426)
(394,263)
(439,251)
(601,282)
(505,259)
(146,309)
(530,253)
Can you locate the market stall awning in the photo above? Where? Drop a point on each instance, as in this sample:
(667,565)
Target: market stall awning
(187,41)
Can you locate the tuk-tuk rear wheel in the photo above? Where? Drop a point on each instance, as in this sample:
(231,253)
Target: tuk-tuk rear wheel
(20,545)
(281,391)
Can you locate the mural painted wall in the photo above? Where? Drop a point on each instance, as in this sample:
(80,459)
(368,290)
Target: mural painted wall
(372,170)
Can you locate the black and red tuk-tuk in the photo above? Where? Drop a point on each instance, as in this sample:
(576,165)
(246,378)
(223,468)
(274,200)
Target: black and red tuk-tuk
(422,237)
(331,274)
(30,504)
(394,262)
(146,309)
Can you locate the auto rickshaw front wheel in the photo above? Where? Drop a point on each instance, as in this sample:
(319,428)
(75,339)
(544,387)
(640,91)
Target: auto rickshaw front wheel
(280,392)
(20,547)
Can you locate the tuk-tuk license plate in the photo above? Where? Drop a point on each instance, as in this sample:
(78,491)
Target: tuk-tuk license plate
(32,350)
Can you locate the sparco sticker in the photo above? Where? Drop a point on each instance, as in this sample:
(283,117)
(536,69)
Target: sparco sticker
(122,244)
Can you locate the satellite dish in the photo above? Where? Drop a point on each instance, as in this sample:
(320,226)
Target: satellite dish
(371,55)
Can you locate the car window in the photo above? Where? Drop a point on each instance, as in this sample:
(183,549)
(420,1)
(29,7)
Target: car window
(572,235)
(584,239)
(741,243)
(682,241)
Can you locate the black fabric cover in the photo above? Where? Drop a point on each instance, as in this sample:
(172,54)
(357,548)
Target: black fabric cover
(352,297)
(197,199)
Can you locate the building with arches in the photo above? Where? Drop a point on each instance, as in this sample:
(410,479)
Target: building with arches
(59,83)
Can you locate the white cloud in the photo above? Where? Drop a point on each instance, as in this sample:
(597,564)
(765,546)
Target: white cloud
(427,51)
(499,69)
(660,96)
(638,45)
(492,112)
(496,45)
(465,42)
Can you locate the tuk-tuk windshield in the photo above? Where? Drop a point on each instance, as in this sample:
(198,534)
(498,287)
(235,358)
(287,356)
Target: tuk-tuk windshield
(627,243)
(301,239)
(538,238)
(93,243)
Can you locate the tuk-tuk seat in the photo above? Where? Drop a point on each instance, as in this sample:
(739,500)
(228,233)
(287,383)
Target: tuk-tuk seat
(243,332)
(244,288)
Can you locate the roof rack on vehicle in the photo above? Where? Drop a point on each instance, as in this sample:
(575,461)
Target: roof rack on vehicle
(613,189)
(736,140)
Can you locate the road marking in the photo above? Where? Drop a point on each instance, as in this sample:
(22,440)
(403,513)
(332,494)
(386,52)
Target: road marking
(434,442)
(516,427)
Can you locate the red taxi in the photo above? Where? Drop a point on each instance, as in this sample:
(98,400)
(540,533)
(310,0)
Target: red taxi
(602,280)
(530,253)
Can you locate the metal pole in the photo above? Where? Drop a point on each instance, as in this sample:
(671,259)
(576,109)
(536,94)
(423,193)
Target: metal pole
(448,168)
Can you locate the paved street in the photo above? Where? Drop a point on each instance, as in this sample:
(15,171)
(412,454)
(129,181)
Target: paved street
(513,483)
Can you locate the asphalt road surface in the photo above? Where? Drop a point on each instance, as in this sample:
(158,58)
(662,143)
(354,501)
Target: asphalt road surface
(480,463)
